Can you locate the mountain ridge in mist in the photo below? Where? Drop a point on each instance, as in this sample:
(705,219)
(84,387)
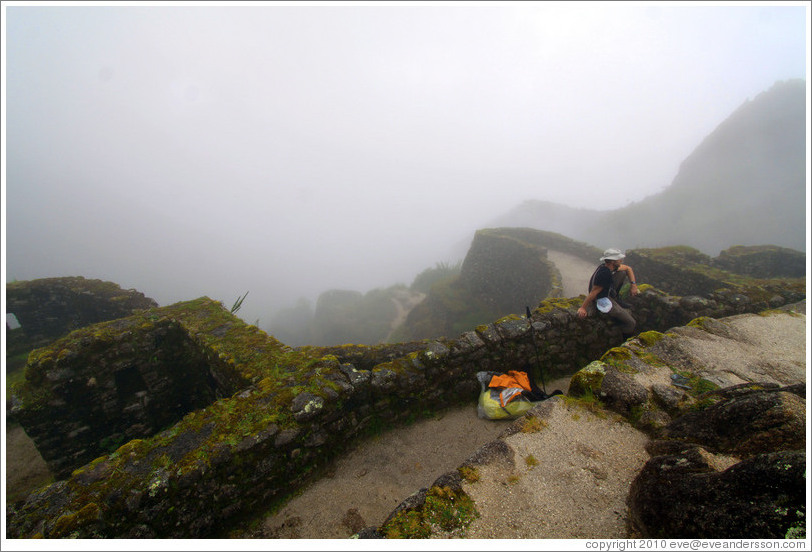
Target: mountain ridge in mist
(744,184)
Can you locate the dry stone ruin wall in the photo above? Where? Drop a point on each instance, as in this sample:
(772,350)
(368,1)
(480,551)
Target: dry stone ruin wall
(114,382)
(506,271)
(52,307)
(762,261)
(299,409)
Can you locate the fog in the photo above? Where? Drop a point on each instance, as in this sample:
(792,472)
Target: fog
(287,150)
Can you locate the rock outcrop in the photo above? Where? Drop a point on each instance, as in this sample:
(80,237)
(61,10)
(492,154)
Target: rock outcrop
(693,493)
(729,463)
(727,412)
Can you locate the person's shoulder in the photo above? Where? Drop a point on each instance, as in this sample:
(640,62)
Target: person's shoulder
(603,273)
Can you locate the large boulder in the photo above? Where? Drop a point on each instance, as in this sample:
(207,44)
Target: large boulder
(756,422)
(621,392)
(690,494)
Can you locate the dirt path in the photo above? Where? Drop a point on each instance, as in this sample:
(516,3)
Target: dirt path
(405,301)
(575,272)
(25,468)
(365,485)
(569,480)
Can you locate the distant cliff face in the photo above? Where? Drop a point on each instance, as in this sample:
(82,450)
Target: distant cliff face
(745,184)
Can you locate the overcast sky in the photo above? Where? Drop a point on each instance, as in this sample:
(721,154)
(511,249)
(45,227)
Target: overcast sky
(187,151)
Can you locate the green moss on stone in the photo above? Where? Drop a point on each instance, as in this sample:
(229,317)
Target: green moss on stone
(698,385)
(647,339)
(444,509)
(619,357)
(699,323)
(68,523)
(587,380)
(557,303)
(469,473)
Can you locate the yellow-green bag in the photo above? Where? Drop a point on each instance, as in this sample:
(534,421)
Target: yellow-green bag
(489,407)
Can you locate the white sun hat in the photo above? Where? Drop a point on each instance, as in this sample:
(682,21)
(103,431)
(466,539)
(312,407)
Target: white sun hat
(604,304)
(613,255)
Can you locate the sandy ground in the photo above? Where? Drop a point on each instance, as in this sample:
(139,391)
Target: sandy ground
(364,486)
(575,272)
(25,468)
(569,480)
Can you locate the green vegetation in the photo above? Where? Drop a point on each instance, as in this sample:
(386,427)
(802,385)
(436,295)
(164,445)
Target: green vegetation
(14,377)
(238,303)
(587,381)
(619,357)
(798,529)
(700,323)
(279,374)
(257,357)
(697,384)
(563,303)
(649,358)
(532,424)
(647,339)
(449,309)
(444,510)
(424,281)
(469,474)
(588,401)
(341,317)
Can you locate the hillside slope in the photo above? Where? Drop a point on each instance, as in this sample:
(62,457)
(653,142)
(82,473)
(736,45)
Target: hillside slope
(745,184)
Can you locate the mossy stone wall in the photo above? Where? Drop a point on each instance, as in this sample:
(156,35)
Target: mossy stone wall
(49,308)
(676,270)
(95,390)
(763,261)
(506,270)
(300,410)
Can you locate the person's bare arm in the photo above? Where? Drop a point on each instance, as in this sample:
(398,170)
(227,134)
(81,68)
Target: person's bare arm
(632,280)
(589,298)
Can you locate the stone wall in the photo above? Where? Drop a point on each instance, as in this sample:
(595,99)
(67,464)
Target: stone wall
(366,357)
(101,387)
(765,261)
(677,270)
(301,410)
(52,307)
(556,242)
(506,269)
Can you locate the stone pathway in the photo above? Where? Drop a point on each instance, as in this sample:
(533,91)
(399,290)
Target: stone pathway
(575,272)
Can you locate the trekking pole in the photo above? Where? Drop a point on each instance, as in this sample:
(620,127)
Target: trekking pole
(536,348)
